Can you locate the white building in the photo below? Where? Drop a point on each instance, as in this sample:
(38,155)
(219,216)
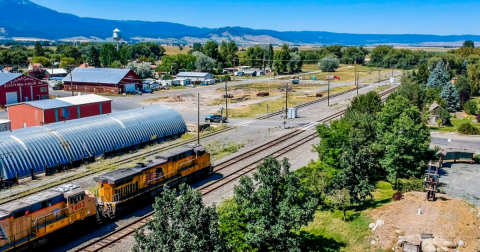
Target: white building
(195,76)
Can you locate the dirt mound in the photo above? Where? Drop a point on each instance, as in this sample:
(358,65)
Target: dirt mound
(449,220)
(174,98)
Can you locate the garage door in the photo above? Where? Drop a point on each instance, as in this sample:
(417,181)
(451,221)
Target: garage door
(130,87)
(12,97)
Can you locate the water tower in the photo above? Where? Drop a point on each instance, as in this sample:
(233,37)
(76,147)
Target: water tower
(117,36)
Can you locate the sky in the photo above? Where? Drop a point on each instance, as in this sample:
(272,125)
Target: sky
(342,16)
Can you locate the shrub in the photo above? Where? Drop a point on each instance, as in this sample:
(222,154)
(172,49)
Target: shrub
(445,117)
(478,117)
(329,64)
(397,196)
(471,107)
(468,128)
(476,158)
(411,184)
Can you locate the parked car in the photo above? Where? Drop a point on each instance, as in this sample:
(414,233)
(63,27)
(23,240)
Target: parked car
(332,77)
(216,118)
(204,83)
(145,90)
(134,92)
(295,81)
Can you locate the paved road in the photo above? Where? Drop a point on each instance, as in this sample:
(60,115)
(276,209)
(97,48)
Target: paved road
(456,141)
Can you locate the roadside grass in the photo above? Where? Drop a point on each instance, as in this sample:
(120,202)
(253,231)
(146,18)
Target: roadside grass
(156,99)
(382,88)
(219,150)
(179,87)
(456,122)
(351,235)
(258,109)
(346,73)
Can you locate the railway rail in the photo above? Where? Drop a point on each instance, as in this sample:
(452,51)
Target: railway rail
(37,189)
(129,229)
(309,103)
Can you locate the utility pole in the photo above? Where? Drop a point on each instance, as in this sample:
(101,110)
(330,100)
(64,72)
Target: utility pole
(328,92)
(286,101)
(379,74)
(233,68)
(198,119)
(71,79)
(264,63)
(356,83)
(392,71)
(226,100)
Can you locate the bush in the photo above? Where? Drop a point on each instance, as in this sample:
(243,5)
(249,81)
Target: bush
(397,196)
(445,117)
(468,128)
(329,64)
(471,107)
(476,158)
(478,117)
(411,184)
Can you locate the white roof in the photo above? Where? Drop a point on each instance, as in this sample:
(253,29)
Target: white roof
(192,74)
(84,99)
(56,71)
(2,121)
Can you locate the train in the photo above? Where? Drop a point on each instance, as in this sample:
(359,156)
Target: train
(25,220)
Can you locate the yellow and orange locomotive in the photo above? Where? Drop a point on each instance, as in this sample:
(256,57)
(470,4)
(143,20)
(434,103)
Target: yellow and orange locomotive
(25,220)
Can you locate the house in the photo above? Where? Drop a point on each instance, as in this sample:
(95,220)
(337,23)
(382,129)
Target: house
(182,82)
(55,72)
(102,80)
(85,65)
(195,76)
(10,70)
(34,113)
(16,87)
(33,66)
(434,111)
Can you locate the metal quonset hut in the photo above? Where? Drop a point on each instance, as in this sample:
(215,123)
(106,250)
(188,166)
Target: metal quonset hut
(65,144)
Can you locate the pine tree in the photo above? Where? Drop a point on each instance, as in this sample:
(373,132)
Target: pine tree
(38,51)
(438,76)
(450,95)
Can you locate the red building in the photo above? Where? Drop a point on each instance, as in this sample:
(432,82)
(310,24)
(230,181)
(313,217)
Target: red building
(15,87)
(102,80)
(28,114)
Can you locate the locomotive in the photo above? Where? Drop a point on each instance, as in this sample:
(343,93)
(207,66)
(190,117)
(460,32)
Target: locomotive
(25,220)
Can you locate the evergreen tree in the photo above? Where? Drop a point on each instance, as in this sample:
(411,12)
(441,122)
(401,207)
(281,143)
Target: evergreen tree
(469,43)
(423,74)
(439,76)
(450,95)
(93,57)
(38,51)
(180,224)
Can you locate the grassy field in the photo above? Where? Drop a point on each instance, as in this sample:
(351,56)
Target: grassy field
(334,234)
(455,123)
(218,150)
(347,73)
(382,88)
(310,67)
(173,50)
(258,109)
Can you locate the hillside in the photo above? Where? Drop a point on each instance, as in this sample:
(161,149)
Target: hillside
(22,18)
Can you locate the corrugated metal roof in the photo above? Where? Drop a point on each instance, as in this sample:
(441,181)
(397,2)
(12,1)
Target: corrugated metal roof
(6,77)
(84,99)
(60,143)
(192,74)
(97,75)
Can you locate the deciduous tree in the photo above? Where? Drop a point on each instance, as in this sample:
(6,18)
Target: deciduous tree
(329,64)
(108,54)
(340,199)
(275,206)
(180,224)
(205,63)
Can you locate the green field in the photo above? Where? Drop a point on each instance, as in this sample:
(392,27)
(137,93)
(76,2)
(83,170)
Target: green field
(455,123)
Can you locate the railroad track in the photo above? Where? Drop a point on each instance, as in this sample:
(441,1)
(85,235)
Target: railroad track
(136,156)
(107,167)
(127,230)
(309,103)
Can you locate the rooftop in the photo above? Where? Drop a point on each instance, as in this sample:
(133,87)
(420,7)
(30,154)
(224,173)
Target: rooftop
(192,74)
(6,77)
(56,71)
(98,75)
(65,102)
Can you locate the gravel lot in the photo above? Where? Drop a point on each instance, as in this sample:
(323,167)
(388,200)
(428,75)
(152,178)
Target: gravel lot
(460,180)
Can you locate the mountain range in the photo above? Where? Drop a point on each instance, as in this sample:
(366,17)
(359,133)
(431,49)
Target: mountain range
(23,19)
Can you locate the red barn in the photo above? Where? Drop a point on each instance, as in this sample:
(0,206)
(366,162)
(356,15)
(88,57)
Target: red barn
(102,80)
(15,87)
(28,114)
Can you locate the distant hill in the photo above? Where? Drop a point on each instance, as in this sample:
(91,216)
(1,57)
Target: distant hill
(22,18)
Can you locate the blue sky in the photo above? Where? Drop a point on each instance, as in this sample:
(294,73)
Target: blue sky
(362,16)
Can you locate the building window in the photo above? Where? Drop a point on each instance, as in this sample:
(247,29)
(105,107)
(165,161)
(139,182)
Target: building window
(43,89)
